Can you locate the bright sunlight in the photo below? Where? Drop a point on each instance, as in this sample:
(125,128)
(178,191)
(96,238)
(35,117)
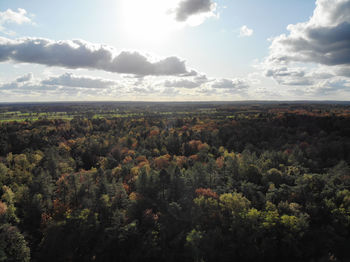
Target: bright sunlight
(148,21)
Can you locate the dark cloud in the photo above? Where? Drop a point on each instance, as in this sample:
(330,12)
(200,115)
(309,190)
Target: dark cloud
(187,8)
(323,45)
(324,39)
(343,71)
(81,54)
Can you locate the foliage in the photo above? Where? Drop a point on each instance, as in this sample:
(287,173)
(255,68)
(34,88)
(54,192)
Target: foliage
(175,182)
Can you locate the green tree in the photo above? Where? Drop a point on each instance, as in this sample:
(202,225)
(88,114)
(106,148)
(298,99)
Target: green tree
(13,246)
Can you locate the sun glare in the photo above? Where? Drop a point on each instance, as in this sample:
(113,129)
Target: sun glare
(149,21)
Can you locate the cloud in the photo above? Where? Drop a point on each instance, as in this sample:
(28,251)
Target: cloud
(25,78)
(316,52)
(142,90)
(225,88)
(71,80)
(9,86)
(63,87)
(82,54)
(187,83)
(231,84)
(301,76)
(169,91)
(245,31)
(25,85)
(332,86)
(67,80)
(10,16)
(69,86)
(324,39)
(290,76)
(204,86)
(194,88)
(189,8)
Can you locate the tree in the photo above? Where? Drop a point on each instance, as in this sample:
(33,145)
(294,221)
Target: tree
(193,240)
(13,247)
(9,199)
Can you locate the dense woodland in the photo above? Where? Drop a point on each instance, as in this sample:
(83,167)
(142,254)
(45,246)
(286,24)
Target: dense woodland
(222,182)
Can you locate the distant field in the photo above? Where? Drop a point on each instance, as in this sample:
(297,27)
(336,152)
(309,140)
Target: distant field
(109,110)
(33,116)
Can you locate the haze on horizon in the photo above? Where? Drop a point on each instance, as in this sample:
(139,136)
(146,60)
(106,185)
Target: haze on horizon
(174,50)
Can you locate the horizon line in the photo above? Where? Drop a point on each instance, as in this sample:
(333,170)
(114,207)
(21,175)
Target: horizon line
(174,102)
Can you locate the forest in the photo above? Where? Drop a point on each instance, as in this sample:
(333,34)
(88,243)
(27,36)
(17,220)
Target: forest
(195,182)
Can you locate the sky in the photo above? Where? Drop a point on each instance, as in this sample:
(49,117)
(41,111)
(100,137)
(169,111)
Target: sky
(174,50)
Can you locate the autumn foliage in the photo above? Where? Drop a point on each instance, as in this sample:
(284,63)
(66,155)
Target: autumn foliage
(207,192)
(176,182)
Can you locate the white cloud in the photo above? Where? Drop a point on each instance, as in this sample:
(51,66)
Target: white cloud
(15,17)
(82,54)
(244,31)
